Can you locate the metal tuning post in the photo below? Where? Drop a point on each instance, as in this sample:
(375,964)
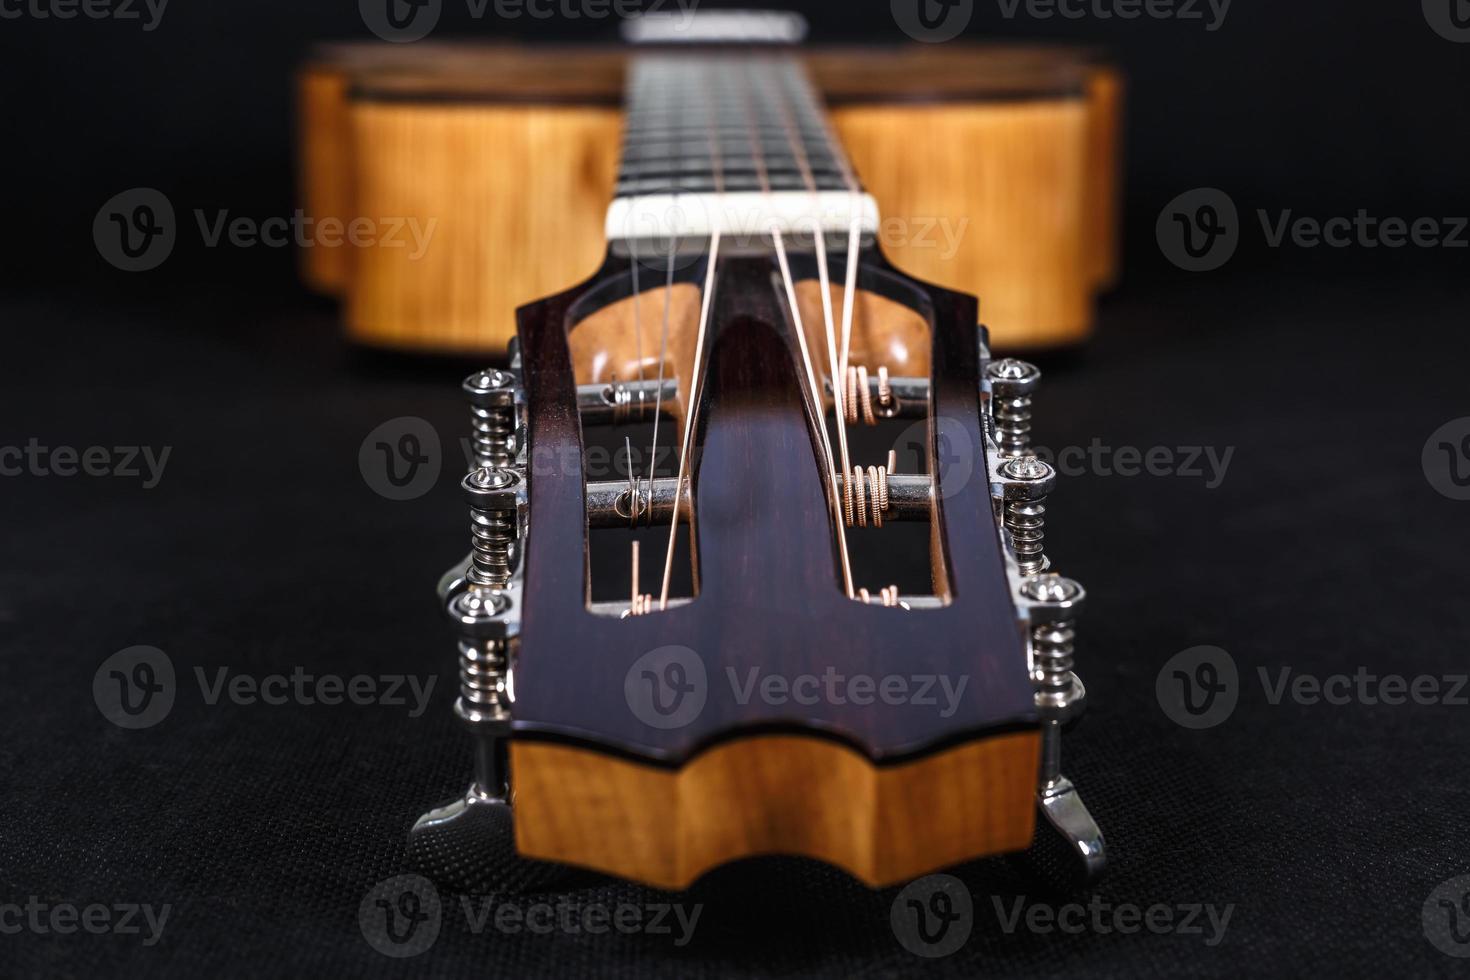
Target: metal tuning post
(1068,843)
(469,842)
(1012,385)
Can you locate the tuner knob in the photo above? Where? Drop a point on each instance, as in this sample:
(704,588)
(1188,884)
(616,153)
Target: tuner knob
(494,497)
(492,395)
(1029,482)
(1012,384)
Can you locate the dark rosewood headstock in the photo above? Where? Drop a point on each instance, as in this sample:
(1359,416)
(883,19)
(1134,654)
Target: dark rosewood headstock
(771,601)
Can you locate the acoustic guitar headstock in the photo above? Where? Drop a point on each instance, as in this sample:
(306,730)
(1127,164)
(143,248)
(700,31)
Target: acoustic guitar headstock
(757,539)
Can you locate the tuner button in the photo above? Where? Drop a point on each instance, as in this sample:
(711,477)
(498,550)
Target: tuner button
(1012,384)
(491,388)
(1013,377)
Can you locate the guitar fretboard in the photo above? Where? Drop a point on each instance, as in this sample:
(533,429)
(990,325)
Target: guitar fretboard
(733,124)
(734,140)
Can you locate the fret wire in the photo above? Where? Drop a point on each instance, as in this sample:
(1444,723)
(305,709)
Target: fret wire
(768,137)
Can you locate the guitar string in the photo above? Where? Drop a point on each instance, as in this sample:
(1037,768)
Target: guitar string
(663,347)
(824,281)
(814,393)
(854,236)
(696,384)
(803,163)
(638,341)
(663,334)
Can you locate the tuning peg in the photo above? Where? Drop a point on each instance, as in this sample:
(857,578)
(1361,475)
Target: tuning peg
(1012,384)
(492,395)
(1060,698)
(1029,483)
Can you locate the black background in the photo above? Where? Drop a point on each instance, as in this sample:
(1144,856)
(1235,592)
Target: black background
(1325,548)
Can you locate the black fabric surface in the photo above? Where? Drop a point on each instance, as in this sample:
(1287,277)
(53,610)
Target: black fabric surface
(262,549)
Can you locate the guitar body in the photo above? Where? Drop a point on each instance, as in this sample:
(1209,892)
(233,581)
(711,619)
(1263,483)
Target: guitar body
(505,157)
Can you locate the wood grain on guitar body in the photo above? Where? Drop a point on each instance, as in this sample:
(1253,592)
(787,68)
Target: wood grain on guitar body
(994,169)
(834,631)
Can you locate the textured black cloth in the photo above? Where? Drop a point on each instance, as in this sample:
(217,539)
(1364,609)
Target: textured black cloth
(262,549)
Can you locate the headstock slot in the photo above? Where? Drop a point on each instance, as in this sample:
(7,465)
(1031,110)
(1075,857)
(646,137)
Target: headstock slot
(889,432)
(632,342)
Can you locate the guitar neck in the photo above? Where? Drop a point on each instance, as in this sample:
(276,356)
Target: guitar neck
(735,142)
